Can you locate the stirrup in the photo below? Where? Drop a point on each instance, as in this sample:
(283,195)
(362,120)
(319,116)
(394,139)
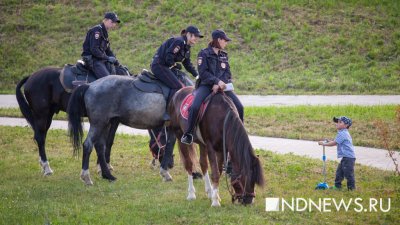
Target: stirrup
(187,139)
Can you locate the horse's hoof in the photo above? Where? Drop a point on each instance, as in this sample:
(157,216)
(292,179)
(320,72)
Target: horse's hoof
(85,177)
(167,179)
(216,204)
(48,173)
(191,196)
(46,170)
(165,175)
(87,180)
(109,177)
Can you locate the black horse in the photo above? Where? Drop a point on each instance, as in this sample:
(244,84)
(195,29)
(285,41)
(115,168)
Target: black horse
(44,95)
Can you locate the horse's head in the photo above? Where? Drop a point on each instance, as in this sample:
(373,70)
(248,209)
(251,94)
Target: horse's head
(243,185)
(157,145)
(246,167)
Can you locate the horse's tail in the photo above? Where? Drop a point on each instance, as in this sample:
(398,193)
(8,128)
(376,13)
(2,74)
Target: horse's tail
(243,150)
(23,104)
(76,110)
(188,154)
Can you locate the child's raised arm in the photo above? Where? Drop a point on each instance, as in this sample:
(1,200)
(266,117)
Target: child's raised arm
(327,143)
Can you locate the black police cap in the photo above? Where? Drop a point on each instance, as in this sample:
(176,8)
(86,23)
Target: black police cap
(194,30)
(220,34)
(112,16)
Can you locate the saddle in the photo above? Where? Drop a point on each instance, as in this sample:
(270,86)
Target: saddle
(184,111)
(187,103)
(147,82)
(73,76)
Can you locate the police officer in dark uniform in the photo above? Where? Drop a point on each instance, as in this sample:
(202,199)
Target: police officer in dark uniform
(170,54)
(96,47)
(215,74)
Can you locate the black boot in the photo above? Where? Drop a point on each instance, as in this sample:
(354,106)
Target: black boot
(187,139)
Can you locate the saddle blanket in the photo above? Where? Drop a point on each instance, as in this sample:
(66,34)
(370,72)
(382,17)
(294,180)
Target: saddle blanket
(187,103)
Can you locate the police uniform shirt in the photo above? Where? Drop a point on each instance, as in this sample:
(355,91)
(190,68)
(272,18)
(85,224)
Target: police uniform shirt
(175,50)
(212,67)
(97,43)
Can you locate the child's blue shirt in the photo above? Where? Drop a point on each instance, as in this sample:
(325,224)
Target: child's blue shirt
(345,146)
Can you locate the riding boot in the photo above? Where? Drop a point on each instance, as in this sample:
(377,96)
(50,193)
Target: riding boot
(187,137)
(166,116)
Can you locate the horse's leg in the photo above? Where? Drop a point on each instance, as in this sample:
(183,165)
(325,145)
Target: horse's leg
(110,142)
(212,157)
(100,146)
(96,137)
(220,158)
(186,157)
(41,126)
(87,149)
(168,158)
(204,169)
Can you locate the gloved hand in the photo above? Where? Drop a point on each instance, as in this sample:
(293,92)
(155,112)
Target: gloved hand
(112,59)
(178,66)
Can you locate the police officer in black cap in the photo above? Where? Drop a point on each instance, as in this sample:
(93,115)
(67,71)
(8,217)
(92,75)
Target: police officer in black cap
(170,54)
(96,47)
(215,75)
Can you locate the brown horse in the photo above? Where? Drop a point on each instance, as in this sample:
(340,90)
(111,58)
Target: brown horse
(222,137)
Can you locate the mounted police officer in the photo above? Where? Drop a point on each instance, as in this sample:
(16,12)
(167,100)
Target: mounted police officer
(170,54)
(215,75)
(96,47)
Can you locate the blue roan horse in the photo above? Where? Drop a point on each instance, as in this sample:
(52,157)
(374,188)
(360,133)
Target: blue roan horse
(108,102)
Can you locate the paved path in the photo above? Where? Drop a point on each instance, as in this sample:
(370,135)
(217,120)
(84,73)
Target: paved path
(365,156)
(284,100)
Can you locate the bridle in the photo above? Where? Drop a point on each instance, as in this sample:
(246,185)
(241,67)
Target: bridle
(234,195)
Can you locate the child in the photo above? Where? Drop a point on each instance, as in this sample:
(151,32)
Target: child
(345,150)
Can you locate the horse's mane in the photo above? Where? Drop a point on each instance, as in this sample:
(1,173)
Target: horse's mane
(242,149)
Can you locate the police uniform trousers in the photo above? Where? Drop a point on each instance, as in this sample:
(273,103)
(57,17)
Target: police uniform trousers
(165,74)
(100,68)
(201,93)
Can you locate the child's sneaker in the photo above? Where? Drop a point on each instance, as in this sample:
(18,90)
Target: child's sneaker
(335,188)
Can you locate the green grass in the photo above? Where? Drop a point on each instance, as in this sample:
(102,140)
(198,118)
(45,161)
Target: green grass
(315,122)
(305,122)
(278,47)
(139,196)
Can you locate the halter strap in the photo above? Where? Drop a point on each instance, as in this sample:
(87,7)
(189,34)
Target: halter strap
(157,141)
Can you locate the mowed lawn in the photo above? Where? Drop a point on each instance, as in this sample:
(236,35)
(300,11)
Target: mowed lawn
(140,197)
